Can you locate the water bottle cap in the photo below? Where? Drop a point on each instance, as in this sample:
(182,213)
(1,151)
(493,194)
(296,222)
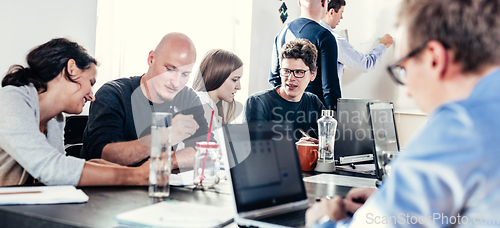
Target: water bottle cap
(327,113)
(209,145)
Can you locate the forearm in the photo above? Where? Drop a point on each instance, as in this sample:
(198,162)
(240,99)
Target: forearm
(125,153)
(95,174)
(183,158)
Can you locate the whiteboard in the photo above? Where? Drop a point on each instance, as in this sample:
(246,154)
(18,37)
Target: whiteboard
(366,21)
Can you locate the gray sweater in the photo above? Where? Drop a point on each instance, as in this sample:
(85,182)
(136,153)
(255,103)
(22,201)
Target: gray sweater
(23,148)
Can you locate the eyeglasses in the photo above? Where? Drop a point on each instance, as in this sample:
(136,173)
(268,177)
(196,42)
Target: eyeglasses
(296,73)
(398,72)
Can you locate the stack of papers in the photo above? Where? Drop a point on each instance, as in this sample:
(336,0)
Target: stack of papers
(41,195)
(182,179)
(177,214)
(341,180)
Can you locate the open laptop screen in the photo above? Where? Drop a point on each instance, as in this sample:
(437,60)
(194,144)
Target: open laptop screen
(384,132)
(265,169)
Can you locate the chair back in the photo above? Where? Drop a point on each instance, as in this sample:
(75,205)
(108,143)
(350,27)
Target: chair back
(73,134)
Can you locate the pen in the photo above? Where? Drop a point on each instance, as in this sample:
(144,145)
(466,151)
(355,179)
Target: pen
(13,193)
(304,133)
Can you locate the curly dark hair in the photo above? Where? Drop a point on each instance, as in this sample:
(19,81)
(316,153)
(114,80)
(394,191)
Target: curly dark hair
(300,49)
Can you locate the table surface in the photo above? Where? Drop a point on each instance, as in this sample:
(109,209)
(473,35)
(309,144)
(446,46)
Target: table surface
(107,202)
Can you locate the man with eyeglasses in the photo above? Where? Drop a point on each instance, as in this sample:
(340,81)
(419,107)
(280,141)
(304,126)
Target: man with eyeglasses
(449,174)
(326,85)
(289,102)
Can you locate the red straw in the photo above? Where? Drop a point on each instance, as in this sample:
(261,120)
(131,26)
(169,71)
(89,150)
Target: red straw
(210,127)
(202,177)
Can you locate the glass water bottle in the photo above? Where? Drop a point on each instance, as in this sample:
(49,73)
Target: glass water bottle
(327,126)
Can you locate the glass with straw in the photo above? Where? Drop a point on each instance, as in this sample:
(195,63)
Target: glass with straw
(206,162)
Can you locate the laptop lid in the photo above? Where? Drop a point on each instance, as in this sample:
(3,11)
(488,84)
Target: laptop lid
(352,140)
(264,168)
(383,133)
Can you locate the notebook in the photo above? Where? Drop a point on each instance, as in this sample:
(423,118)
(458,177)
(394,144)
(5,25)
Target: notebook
(175,214)
(265,175)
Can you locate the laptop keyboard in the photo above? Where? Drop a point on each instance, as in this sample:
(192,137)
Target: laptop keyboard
(292,219)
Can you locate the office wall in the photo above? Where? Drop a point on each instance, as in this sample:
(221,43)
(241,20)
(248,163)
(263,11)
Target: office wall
(266,23)
(28,23)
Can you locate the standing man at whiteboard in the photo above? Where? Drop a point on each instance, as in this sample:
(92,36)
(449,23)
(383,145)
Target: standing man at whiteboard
(347,55)
(326,85)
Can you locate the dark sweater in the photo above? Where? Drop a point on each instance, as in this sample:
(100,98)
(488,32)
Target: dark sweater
(119,114)
(269,106)
(326,85)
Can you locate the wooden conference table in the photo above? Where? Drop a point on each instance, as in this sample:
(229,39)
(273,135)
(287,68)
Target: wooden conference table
(107,202)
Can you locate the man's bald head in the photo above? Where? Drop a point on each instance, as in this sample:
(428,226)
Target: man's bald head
(313,9)
(170,65)
(177,43)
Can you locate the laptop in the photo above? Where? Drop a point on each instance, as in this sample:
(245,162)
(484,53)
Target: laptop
(353,143)
(265,175)
(383,133)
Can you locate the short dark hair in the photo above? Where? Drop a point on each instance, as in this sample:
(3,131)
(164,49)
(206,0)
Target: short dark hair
(300,49)
(336,5)
(470,28)
(47,61)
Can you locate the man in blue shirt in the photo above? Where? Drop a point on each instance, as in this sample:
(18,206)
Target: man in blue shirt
(449,174)
(347,55)
(326,85)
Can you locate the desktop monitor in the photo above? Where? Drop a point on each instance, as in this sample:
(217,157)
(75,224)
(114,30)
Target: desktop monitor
(353,142)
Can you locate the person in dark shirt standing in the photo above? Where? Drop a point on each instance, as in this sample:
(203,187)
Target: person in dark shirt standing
(326,85)
(288,102)
(118,128)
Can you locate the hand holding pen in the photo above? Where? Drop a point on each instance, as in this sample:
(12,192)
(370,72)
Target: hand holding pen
(307,139)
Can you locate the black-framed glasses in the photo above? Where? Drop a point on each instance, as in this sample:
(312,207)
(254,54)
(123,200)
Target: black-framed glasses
(299,73)
(398,72)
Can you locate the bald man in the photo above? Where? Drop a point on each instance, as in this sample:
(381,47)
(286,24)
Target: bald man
(118,128)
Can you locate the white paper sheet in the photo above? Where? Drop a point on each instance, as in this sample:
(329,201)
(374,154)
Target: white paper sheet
(41,195)
(177,214)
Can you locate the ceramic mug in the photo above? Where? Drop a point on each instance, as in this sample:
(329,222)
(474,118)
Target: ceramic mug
(308,155)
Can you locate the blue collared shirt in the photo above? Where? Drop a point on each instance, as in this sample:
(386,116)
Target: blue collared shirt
(347,55)
(449,175)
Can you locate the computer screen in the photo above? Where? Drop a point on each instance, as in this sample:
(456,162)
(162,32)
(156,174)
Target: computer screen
(384,132)
(268,173)
(353,142)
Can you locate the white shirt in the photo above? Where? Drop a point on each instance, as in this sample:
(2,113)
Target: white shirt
(347,55)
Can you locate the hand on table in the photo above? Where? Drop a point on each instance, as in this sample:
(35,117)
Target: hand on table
(333,208)
(307,140)
(356,197)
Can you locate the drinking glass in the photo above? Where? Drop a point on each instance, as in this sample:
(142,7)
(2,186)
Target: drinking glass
(159,169)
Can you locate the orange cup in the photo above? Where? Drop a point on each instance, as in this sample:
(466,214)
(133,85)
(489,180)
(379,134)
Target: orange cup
(308,155)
